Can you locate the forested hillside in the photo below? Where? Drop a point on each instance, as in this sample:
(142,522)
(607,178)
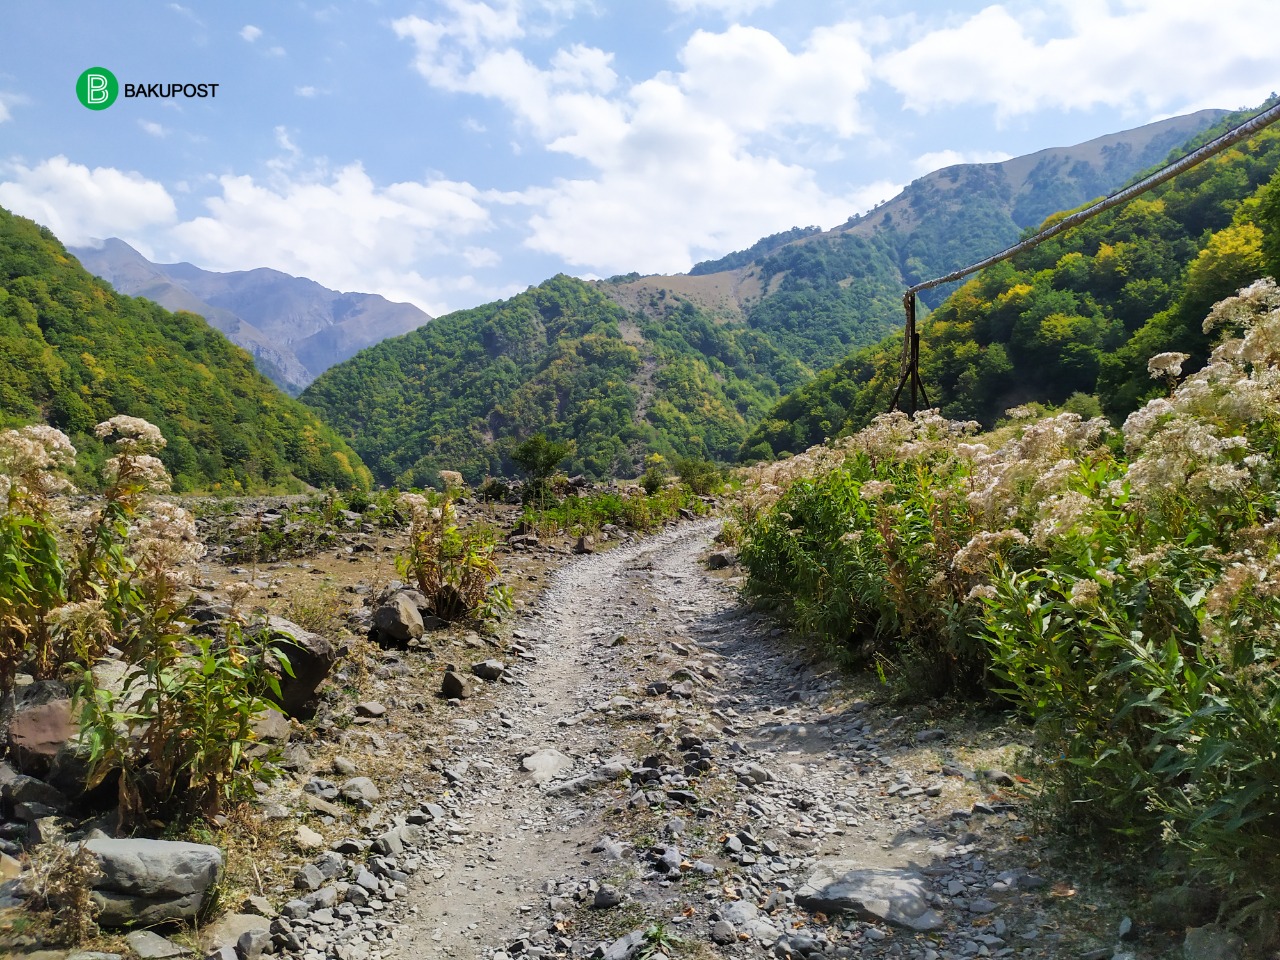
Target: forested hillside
(637,365)
(73,353)
(560,359)
(1074,320)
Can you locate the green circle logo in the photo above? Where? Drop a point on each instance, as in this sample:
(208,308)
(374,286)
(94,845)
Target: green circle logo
(97,88)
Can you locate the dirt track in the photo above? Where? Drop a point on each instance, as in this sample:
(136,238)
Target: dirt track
(708,769)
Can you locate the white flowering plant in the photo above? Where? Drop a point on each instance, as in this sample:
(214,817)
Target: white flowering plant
(1122,589)
(859,548)
(75,582)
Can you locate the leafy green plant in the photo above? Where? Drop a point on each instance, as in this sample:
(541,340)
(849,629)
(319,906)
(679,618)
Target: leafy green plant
(1121,591)
(176,730)
(179,730)
(655,474)
(451,564)
(659,939)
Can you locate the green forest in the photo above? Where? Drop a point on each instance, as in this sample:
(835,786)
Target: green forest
(560,359)
(1073,321)
(74,353)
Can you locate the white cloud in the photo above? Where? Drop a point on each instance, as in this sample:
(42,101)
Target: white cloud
(9,100)
(726,8)
(748,77)
(684,163)
(154,129)
(276,51)
(872,195)
(478,257)
(285,142)
(79,204)
(305,91)
(186,12)
(938,159)
(341,230)
(1137,55)
(250,33)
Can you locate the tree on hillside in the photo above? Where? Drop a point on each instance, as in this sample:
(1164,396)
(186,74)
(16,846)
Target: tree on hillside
(539,458)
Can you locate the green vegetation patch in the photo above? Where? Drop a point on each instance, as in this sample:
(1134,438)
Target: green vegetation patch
(73,353)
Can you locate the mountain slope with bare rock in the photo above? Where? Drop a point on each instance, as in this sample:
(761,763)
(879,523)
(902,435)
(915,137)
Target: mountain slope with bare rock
(294,327)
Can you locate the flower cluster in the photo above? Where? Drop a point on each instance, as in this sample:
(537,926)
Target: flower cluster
(30,459)
(165,543)
(131,434)
(1167,365)
(1208,437)
(1010,484)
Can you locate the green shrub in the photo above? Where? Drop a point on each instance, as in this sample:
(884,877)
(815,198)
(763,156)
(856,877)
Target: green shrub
(453,566)
(1123,592)
(493,490)
(701,476)
(176,734)
(179,731)
(539,458)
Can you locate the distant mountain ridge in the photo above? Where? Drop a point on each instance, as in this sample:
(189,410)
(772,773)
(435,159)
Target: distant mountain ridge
(938,223)
(294,328)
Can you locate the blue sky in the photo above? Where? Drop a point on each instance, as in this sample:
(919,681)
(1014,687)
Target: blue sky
(455,151)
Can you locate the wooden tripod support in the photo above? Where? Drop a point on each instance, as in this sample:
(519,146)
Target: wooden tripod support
(910,359)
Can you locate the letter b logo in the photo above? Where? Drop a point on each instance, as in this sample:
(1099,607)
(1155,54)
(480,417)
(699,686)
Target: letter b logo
(97,88)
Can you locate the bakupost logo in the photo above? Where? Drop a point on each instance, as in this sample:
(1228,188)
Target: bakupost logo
(97,89)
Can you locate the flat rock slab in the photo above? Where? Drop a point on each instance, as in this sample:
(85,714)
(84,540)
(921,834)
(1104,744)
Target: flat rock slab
(626,947)
(231,928)
(546,764)
(151,946)
(894,896)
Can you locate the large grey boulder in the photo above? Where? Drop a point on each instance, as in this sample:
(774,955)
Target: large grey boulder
(397,620)
(894,896)
(490,670)
(145,882)
(1211,943)
(311,658)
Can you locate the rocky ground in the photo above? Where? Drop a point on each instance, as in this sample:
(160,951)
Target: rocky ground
(640,766)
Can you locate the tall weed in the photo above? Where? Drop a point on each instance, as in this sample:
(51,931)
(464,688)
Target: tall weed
(78,581)
(1121,590)
(451,564)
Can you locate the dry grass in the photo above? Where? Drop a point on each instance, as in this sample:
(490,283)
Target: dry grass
(60,878)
